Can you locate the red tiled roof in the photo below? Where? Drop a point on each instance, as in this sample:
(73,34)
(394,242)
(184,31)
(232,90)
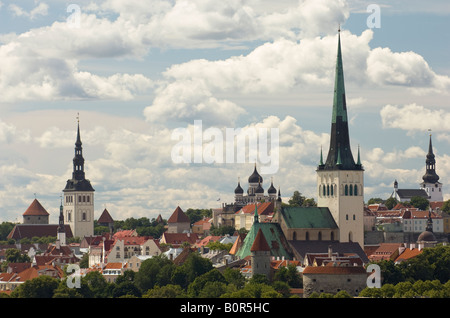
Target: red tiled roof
(260,243)
(36,208)
(105,217)
(277,264)
(407,254)
(40,230)
(264,208)
(125,233)
(178,216)
(436,204)
(334,270)
(208,239)
(179,238)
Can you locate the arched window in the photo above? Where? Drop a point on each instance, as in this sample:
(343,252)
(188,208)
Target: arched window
(328,190)
(323,188)
(332,236)
(294,236)
(307,236)
(356,190)
(319,237)
(332,188)
(351,190)
(350,236)
(346,190)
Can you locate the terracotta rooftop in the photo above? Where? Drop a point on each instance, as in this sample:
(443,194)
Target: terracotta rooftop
(105,217)
(260,243)
(334,270)
(178,216)
(36,208)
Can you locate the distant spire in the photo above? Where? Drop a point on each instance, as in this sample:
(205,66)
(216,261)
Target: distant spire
(256,216)
(321,157)
(78,160)
(359,157)
(430,171)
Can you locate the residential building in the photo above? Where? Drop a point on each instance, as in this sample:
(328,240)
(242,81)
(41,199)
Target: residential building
(245,216)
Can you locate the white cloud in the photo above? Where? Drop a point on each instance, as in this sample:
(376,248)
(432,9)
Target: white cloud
(414,117)
(40,10)
(409,69)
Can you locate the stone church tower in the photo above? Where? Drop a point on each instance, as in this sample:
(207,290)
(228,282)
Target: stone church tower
(431,183)
(79,196)
(340,180)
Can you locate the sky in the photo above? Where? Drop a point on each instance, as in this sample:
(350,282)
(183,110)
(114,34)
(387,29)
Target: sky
(135,72)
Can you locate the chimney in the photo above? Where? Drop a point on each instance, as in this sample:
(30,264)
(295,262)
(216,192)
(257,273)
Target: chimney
(330,251)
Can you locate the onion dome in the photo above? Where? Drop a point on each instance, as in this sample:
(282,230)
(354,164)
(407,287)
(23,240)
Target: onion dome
(272,189)
(239,189)
(255,177)
(259,189)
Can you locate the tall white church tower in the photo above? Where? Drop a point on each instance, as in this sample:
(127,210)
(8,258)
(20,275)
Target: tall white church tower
(79,197)
(340,181)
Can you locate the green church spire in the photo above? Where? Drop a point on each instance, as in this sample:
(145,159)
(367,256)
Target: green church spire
(339,154)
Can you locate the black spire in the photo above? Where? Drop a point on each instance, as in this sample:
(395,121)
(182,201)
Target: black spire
(78,160)
(61,228)
(78,181)
(430,175)
(339,154)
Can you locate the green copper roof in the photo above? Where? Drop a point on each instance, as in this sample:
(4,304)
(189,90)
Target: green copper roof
(339,103)
(308,217)
(274,236)
(340,154)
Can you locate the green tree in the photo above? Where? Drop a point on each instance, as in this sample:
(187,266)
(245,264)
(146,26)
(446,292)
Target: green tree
(420,202)
(196,287)
(94,285)
(446,206)
(125,288)
(168,291)
(375,201)
(40,287)
(5,229)
(296,199)
(235,277)
(13,255)
(390,272)
(149,272)
(390,203)
(290,275)
(63,291)
(195,265)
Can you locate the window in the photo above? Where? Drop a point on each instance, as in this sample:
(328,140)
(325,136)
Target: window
(346,190)
(356,190)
